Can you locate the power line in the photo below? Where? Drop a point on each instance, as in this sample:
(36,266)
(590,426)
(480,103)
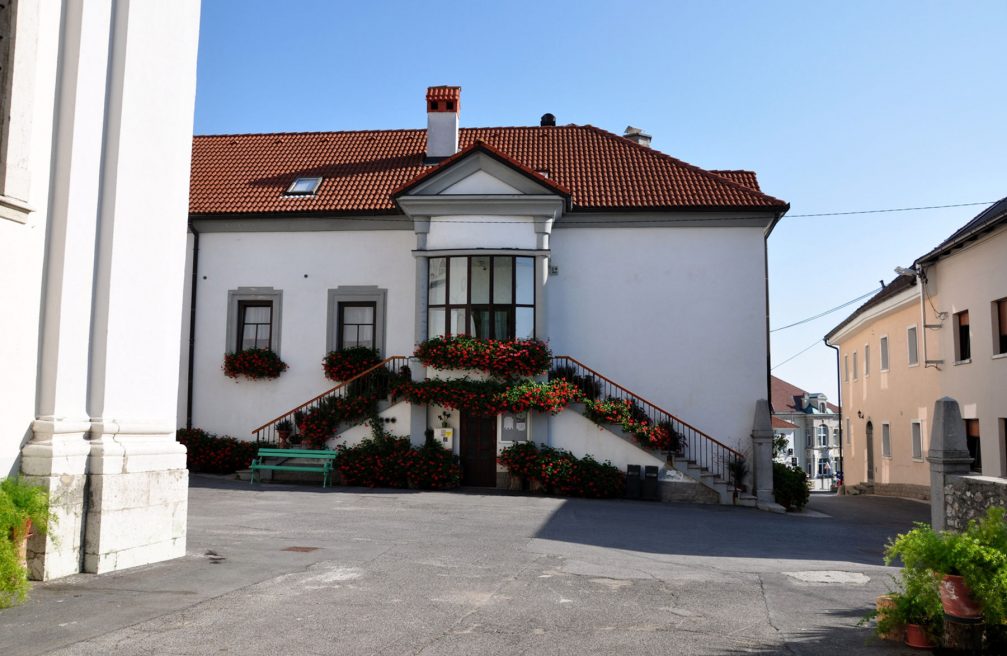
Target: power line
(830,311)
(801,352)
(894,209)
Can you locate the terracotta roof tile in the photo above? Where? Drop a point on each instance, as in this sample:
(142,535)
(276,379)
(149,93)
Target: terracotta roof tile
(783,397)
(444,93)
(742,177)
(782,423)
(248,174)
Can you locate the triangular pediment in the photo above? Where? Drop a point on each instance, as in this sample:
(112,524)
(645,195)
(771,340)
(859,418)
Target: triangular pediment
(481,171)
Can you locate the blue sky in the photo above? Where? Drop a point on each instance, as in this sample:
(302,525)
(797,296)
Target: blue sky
(838,106)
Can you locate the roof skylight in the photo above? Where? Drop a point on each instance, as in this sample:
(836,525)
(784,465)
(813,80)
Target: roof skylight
(304,186)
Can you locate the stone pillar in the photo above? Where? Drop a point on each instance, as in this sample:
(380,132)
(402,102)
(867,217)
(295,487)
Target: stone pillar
(948,455)
(762,456)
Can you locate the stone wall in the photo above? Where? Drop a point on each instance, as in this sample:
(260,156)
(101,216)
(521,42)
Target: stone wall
(968,497)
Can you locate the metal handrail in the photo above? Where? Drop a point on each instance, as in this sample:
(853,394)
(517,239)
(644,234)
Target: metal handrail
(703,449)
(267,431)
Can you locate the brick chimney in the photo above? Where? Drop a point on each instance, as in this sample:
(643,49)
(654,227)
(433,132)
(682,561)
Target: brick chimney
(443,104)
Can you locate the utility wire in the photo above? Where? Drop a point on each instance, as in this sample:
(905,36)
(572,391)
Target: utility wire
(895,209)
(822,314)
(801,352)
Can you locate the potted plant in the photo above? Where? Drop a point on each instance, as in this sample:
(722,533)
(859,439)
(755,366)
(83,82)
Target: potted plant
(913,614)
(284,428)
(738,469)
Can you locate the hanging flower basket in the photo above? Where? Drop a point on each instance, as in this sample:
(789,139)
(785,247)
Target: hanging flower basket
(503,358)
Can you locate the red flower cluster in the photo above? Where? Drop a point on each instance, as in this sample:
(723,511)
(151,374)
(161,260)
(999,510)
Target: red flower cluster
(253,363)
(388,461)
(317,425)
(563,473)
(633,420)
(503,358)
(489,397)
(345,364)
(210,454)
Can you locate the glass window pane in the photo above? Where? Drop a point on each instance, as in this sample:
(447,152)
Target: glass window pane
(437,280)
(358,314)
(459,280)
(502,272)
(525,275)
(248,337)
(365,336)
(501,324)
(349,336)
(524,321)
(457,319)
(257,314)
(479,326)
(435,322)
(480,280)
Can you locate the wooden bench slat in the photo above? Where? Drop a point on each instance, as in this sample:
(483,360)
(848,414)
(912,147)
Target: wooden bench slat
(325,467)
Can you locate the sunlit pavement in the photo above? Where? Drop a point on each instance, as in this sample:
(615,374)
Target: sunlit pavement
(301,570)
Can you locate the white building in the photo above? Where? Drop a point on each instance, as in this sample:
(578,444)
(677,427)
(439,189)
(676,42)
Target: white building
(95,145)
(647,269)
(811,426)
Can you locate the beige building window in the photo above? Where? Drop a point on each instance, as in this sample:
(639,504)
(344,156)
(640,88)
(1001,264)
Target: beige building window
(963,339)
(917,441)
(884,353)
(867,359)
(1000,326)
(914,358)
(975,446)
(846,367)
(854,365)
(886,441)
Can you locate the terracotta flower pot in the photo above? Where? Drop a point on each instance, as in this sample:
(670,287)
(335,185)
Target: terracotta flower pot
(883,604)
(284,437)
(917,637)
(958,600)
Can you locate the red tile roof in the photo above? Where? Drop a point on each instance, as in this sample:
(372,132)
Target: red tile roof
(742,177)
(784,397)
(248,174)
(782,423)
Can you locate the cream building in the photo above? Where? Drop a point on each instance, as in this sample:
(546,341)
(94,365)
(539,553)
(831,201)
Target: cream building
(97,105)
(939,329)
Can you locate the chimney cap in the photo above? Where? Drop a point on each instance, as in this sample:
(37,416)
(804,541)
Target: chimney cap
(548,120)
(637,136)
(444,93)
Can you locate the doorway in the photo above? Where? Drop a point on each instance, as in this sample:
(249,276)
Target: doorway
(870,452)
(478,450)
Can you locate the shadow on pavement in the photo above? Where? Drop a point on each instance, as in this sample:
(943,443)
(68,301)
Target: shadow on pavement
(839,640)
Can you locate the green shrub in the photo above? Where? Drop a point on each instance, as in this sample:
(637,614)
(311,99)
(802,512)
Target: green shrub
(210,454)
(563,473)
(384,460)
(19,501)
(790,486)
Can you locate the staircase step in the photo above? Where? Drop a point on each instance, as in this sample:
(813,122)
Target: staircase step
(746,500)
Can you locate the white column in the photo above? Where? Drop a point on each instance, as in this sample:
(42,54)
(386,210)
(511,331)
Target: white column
(56,456)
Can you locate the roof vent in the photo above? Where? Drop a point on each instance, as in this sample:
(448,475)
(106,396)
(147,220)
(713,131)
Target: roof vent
(637,136)
(304,187)
(548,120)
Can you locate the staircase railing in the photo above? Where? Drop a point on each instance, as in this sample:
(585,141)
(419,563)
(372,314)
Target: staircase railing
(698,447)
(373,383)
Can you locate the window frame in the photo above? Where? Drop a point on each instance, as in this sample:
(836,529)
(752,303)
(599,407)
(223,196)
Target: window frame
(998,317)
(819,430)
(963,347)
(867,360)
(913,346)
(243,306)
(314,180)
(855,377)
(236,297)
(341,324)
(886,440)
(976,465)
(356,294)
(492,306)
(846,367)
(916,429)
(883,354)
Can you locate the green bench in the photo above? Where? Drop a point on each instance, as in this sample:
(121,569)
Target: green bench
(325,461)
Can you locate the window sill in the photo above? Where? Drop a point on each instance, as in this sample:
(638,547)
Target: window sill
(1000,356)
(14,210)
(917,459)
(913,366)
(966,361)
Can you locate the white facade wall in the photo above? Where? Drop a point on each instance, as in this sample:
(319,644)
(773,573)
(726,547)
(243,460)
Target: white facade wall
(678,315)
(303,266)
(971,279)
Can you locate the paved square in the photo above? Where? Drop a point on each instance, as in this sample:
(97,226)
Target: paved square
(299,570)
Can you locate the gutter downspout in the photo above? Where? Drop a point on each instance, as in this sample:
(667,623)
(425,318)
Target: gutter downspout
(192,325)
(839,399)
(921,278)
(765,270)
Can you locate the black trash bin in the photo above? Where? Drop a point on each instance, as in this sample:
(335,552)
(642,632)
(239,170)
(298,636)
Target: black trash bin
(650,492)
(633,481)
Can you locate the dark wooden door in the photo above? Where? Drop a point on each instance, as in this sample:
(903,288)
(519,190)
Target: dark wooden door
(870,452)
(478,450)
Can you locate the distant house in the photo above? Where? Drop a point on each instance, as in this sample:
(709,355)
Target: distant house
(938,329)
(648,270)
(810,424)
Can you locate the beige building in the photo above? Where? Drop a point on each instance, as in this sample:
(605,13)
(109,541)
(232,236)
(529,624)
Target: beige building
(939,329)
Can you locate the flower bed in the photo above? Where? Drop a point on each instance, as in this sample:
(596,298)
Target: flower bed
(345,364)
(502,358)
(387,461)
(317,425)
(256,364)
(488,397)
(211,454)
(552,397)
(633,420)
(563,473)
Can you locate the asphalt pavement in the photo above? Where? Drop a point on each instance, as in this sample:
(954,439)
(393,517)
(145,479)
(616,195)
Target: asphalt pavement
(276,569)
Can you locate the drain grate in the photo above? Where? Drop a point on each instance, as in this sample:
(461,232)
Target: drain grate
(301,549)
